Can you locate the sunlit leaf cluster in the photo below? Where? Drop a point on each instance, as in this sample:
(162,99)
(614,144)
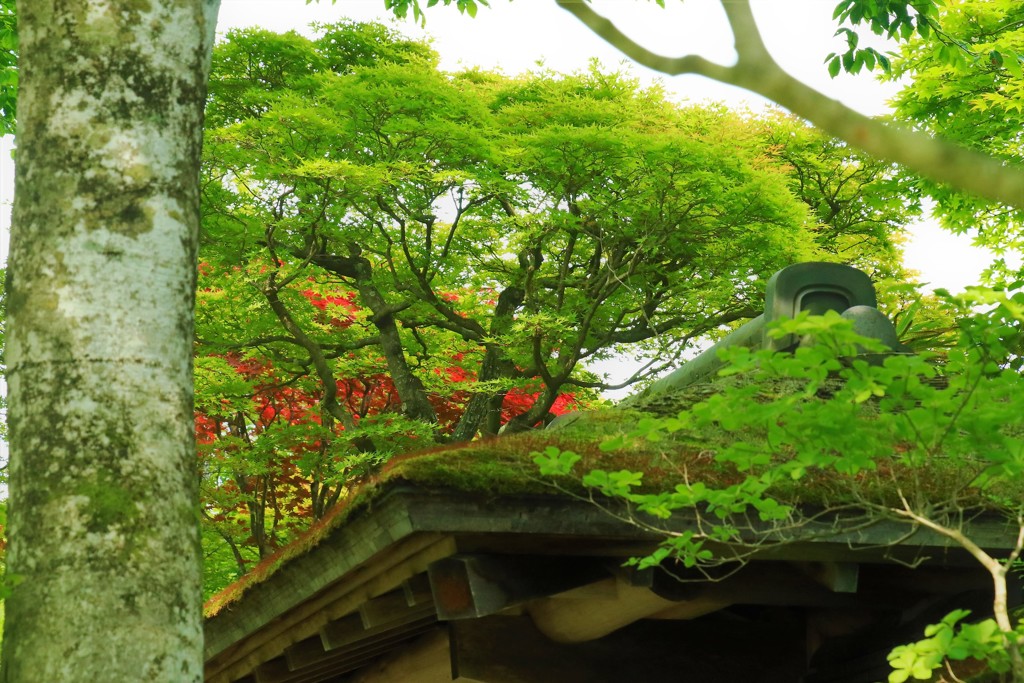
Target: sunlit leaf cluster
(965,83)
(842,424)
(416,256)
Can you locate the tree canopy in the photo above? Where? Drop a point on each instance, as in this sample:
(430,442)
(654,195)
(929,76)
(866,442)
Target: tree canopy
(392,255)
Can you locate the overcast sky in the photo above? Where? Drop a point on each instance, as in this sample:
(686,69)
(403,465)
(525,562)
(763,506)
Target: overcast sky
(518,36)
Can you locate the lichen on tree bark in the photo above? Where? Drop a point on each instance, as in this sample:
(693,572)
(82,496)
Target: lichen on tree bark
(103,533)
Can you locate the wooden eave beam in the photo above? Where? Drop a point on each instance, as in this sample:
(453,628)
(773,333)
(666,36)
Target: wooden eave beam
(400,562)
(408,528)
(426,660)
(343,660)
(577,616)
(472,586)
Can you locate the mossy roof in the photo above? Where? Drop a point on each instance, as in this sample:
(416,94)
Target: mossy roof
(497,466)
(504,466)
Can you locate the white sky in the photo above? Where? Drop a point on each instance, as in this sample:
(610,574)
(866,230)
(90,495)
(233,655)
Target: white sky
(517,36)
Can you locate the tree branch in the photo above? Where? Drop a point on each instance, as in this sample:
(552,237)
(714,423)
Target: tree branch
(757,71)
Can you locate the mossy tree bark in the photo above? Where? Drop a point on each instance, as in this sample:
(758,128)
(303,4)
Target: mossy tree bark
(104,544)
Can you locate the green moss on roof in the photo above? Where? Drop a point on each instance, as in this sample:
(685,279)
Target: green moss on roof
(497,466)
(504,466)
(500,466)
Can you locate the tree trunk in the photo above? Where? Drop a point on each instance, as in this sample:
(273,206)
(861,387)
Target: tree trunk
(483,406)
(104,542)
(538,411)
(411,391)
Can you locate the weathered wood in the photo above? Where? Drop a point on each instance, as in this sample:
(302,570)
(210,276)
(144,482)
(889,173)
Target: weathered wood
(756,583)
(387,608)
(295,582)
(344,660)
(574,617)
(594,610)
(349,630)
(393,607)
(408,529)
(305,652)
(470,586)
(417,590)
(426,660)
(403,560)
(274,671)
(553,521)
(501,649)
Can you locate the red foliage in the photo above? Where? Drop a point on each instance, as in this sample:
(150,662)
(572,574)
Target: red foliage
(279,479)
(325,301)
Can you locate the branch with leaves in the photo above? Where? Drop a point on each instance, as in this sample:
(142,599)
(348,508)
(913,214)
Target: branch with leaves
(904,440)
(756,70)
